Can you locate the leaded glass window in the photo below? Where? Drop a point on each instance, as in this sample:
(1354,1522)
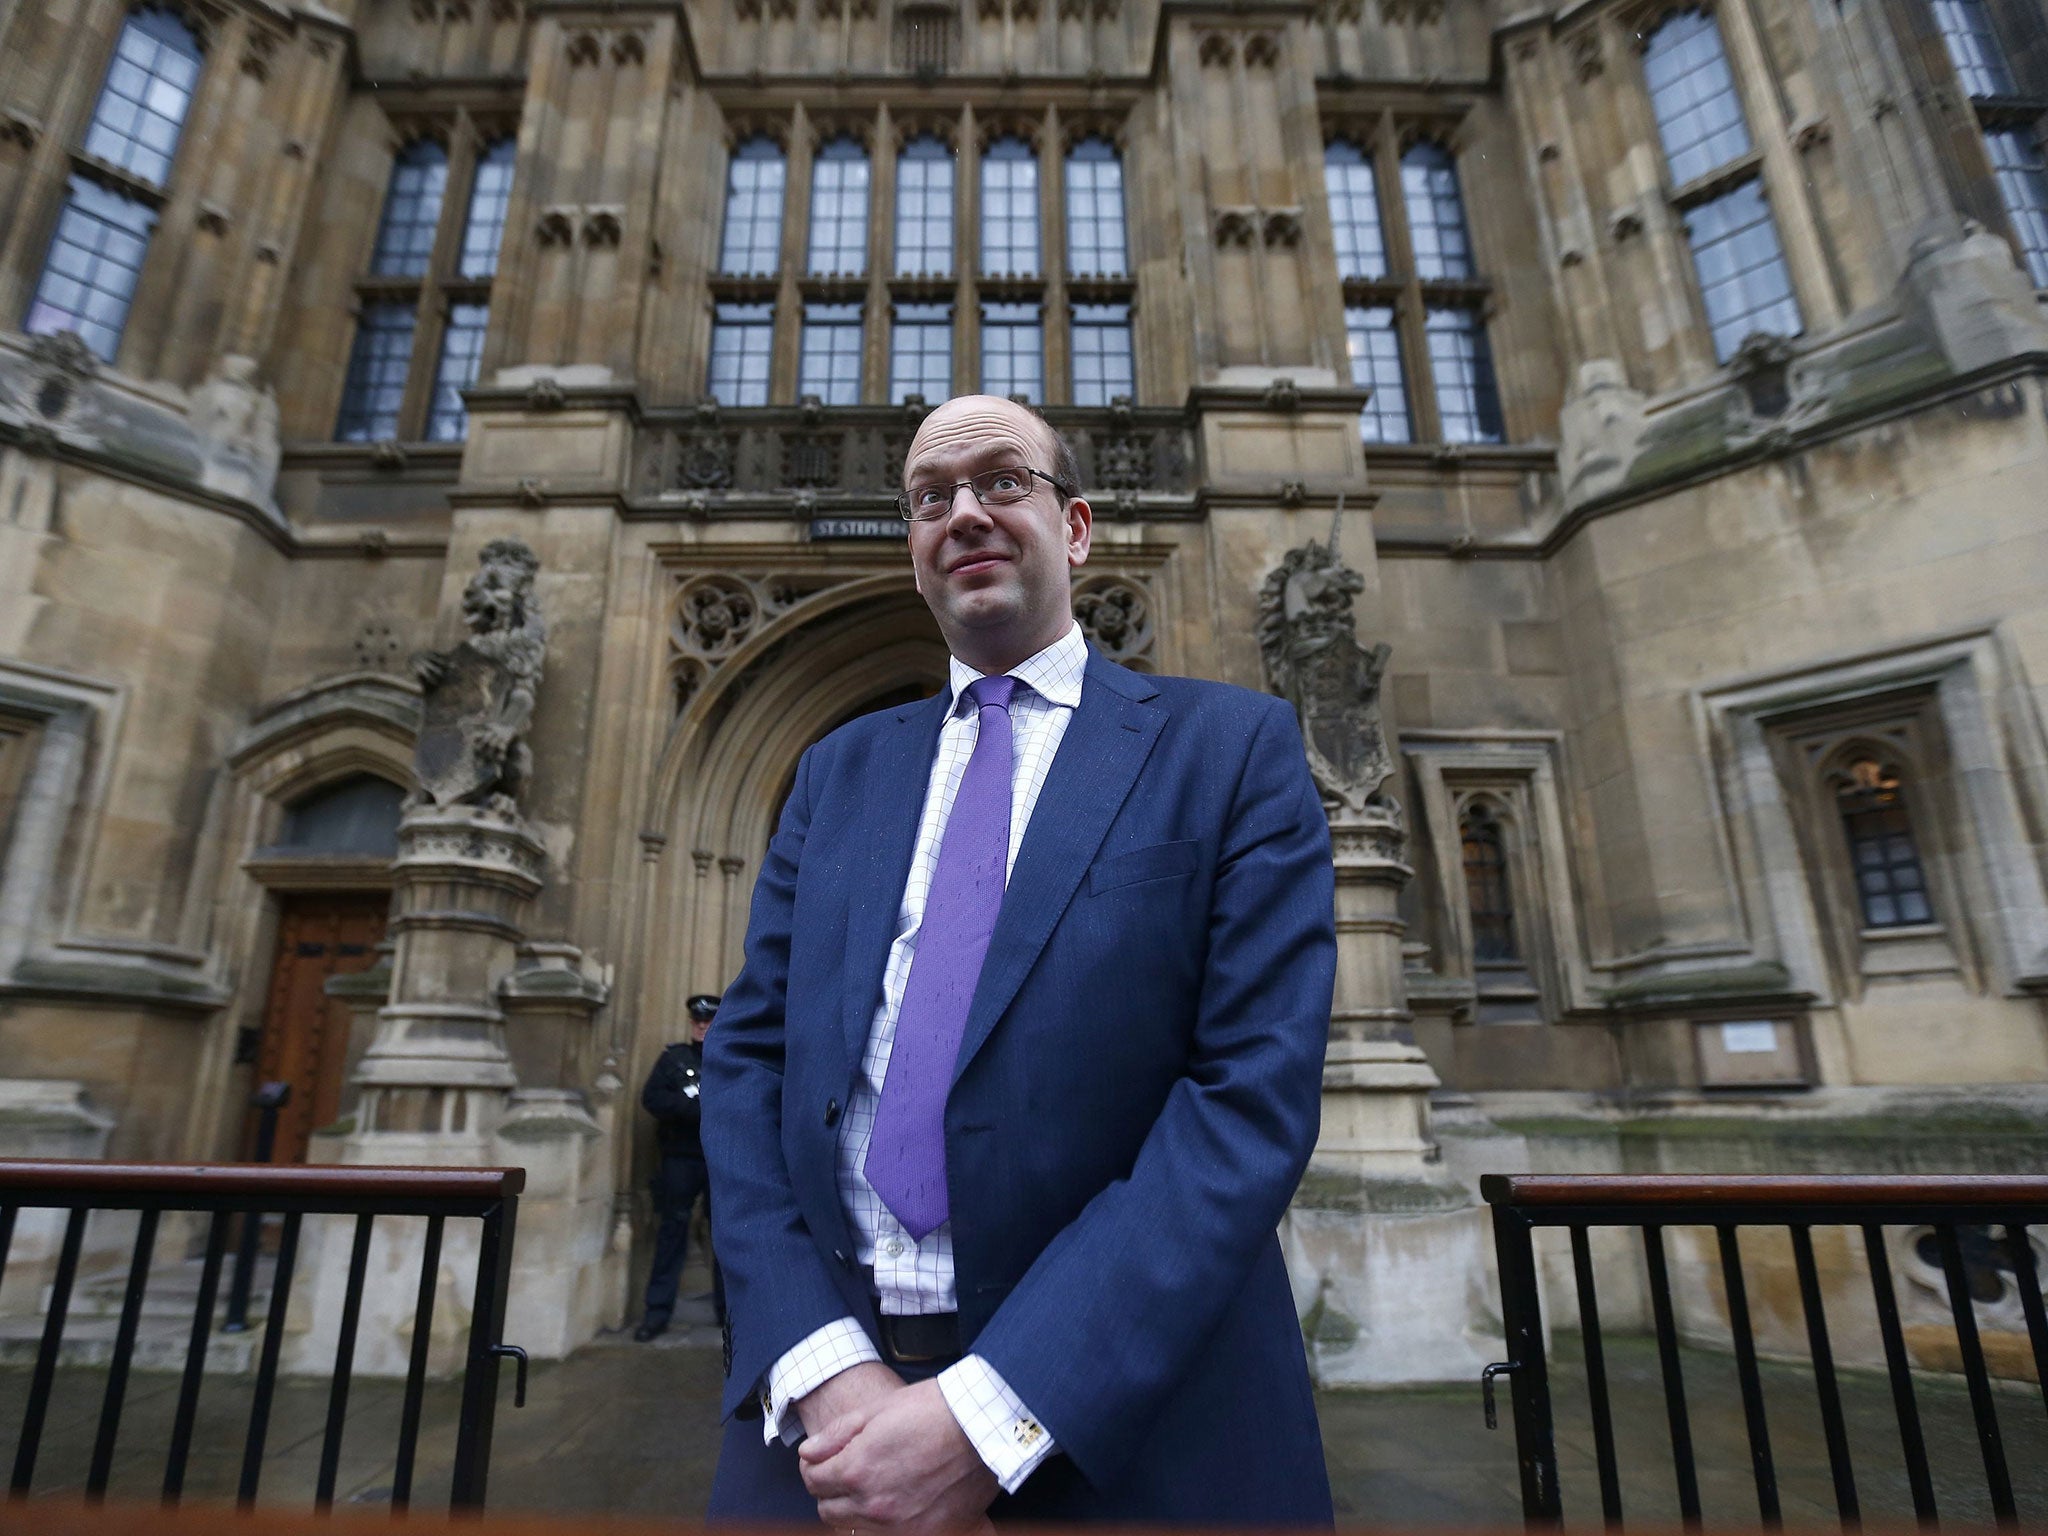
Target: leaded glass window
(1013,351)
(2023,182)
(752,244)
(924,208)
(839,208)
(1462,365)
(141,111)
(921,353)
(1354,211)
(1374,340)
(1436,212)
(1095,211)
(490,193)
(94,263)
(1743,281)
(1488,894)
(1974,47)
(1883,854)
(1692,95)
(829,366)
(412,211)
(742,344)
(1009,209)
(1103,366)
(375,386)
(462,350)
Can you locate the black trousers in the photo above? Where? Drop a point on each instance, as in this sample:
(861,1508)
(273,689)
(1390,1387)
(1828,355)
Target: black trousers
(677,1184)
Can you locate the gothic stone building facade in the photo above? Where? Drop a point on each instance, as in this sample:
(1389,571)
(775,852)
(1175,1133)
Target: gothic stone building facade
(1672,375)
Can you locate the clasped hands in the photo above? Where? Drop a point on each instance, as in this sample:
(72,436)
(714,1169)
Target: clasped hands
(882,1455)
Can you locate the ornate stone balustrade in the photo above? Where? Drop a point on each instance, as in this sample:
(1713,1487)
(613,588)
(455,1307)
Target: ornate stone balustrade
(809,458)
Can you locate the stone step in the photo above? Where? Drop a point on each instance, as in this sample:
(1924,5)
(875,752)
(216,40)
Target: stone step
(159,1345)
(172,1291)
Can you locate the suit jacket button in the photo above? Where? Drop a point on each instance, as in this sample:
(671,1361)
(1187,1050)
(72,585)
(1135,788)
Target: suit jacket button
(831,1111)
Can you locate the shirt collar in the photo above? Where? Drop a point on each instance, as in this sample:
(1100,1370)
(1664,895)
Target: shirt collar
(1054,674)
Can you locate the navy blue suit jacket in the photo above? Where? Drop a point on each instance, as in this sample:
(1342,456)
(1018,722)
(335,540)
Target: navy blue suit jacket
(1135,1098)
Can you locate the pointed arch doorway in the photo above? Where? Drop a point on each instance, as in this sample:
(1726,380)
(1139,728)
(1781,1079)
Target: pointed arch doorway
(732,759)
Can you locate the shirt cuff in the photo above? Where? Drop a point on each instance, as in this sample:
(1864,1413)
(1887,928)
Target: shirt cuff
(1004,1433)
(806,1367)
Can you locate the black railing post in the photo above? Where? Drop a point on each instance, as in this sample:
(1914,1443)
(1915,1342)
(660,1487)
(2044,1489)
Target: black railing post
(480,1373)
(267,1100)
(1528,1380)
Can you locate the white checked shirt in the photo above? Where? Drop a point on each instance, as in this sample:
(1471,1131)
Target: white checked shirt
(912,1277)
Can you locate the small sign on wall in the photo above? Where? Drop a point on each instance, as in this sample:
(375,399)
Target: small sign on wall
(828,528)
(1749,1053)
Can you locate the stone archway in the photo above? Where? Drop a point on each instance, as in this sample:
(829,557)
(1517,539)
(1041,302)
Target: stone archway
(724,774)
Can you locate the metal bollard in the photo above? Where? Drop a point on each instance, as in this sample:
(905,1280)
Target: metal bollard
(268,1099)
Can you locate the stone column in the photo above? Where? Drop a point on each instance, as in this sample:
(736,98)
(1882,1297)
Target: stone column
(1386,1249)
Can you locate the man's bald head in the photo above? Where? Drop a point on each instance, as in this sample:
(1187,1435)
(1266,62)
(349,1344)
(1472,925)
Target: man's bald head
(1060,460)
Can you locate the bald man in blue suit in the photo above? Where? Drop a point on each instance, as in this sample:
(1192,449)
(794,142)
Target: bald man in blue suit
(1099,1325)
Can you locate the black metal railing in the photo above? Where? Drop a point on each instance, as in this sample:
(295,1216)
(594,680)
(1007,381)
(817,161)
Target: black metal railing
(1957,1209)
(489,1196)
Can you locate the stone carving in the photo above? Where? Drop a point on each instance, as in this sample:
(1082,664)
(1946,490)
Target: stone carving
(236,422)
(1308,637)
(479,696)
(712,614)
(61,366)
(1116,615)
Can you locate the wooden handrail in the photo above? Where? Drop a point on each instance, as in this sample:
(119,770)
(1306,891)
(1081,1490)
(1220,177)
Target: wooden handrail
(235,1180)
(1663,1189)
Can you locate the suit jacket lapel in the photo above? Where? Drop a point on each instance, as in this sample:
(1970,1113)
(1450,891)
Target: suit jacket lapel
(899,773)
(1106,744)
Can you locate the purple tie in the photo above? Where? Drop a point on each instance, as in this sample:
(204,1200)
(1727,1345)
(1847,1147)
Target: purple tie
(907,1157)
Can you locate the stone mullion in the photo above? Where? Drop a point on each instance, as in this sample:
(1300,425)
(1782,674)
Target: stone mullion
(1409,316)
(1235,93)
(155,309)
(1673,284)
(1054,312)
(31,198)
(255,298)
(796,225)
(1566,225)
(1820,298)
(874,364)
(967,257)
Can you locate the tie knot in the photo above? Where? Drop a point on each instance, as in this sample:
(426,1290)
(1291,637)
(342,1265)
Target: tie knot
(985,691)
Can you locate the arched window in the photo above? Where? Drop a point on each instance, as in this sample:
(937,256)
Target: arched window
(753,209)
(1354,211)
(1884,856)
(1487,891)
(490,192)
(412,211)
(839,208)
(924,208)
(95,255)
(1009,209)
(1744,283)
(358,816)
(1095,211)
(1436,212)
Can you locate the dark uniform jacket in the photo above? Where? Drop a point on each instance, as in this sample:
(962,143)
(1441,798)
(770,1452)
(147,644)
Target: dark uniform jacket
(672,1096)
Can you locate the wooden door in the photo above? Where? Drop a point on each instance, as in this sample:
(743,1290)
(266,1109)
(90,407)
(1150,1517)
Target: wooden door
(305,1032)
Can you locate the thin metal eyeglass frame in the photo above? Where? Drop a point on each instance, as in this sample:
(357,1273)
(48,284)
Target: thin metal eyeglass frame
(903,508)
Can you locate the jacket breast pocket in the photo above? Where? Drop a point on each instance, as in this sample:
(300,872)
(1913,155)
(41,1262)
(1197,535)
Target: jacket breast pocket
(1162,861)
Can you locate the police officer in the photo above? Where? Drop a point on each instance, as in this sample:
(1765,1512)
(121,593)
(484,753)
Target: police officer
(672,1097)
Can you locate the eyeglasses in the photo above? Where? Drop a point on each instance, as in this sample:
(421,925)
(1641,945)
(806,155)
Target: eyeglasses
(992,488)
